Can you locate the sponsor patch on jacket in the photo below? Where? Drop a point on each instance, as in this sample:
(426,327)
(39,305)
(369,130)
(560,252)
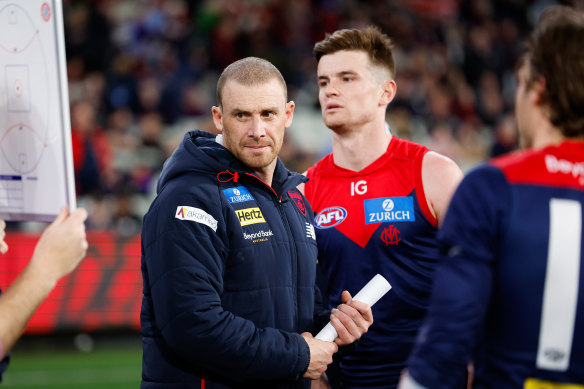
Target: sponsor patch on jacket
(239,194)
(260,236)
(389,209)
(330,217)
(249,216)
(184,212)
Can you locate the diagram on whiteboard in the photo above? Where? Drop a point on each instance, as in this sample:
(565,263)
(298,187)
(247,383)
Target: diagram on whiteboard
(35,146)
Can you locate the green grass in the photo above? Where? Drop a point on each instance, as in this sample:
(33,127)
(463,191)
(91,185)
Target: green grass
(110,368)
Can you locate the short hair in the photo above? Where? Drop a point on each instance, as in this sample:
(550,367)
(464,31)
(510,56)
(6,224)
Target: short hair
(554,52)
(249,71)
(371,40)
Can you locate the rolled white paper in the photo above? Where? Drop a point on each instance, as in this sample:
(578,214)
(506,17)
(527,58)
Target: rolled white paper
(375,289)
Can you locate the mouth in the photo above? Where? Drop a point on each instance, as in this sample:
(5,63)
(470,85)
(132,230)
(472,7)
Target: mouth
(333,107)
(256,147)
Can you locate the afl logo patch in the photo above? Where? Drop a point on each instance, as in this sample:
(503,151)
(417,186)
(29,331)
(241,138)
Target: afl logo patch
(330,217)
(298,200)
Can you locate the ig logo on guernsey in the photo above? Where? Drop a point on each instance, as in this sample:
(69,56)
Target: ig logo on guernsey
(330,217)
(389,209)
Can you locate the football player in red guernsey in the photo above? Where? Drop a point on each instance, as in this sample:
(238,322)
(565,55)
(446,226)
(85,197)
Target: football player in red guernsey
(509,289)
(378,199)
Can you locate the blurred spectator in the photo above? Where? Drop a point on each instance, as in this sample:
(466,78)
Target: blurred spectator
(141,73)
(91,149)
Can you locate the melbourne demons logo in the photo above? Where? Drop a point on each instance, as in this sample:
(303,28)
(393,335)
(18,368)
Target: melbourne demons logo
(390,235)
(298,200)
(330,217)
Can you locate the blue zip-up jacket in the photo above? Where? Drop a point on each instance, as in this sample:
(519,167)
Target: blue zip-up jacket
(228,266)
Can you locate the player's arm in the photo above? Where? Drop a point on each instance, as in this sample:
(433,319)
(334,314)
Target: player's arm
(60,249)
(440,178)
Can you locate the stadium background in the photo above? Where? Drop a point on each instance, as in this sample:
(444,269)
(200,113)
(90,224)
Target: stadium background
(143,72)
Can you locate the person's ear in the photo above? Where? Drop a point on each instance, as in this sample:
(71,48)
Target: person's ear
(217,118)
(539,86)
(289,113)
(389,91)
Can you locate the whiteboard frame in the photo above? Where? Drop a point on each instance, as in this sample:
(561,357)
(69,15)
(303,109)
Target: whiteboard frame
(62,107)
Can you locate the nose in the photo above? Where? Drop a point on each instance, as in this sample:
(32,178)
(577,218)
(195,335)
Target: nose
(257,128)
(330,89)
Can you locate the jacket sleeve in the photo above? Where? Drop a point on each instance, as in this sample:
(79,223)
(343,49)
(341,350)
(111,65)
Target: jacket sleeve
(463,281)
(185,261)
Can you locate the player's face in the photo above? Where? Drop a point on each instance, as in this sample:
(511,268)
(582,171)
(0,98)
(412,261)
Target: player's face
(350,89)
(524,107)
(253,120)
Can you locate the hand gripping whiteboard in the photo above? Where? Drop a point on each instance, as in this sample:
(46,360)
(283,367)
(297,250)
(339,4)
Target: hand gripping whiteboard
(36,163)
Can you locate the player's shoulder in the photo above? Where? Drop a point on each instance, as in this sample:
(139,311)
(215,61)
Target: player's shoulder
(514,159)
(321,167)
(555,165)
(400,147)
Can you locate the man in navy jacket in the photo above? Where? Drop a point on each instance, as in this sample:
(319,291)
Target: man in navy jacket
(229,254)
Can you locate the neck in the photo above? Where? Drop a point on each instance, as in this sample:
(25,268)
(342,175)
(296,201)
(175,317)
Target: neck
(547,135)
(266,174)
(355,150)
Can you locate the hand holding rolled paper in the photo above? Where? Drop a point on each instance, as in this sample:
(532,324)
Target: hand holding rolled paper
(376,288)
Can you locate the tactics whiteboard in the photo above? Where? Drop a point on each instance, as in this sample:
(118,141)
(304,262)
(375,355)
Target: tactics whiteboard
(36,164)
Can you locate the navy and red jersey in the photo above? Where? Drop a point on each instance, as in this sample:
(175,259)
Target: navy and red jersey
(509,289)
(376,221)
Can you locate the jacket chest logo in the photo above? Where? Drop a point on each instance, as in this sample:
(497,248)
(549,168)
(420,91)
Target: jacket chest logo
(298,200)
(249,216)
(238,194)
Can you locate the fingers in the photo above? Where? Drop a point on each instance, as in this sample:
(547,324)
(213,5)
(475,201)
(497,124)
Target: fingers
(3,247)
(78,218)
(321,355)
(351,320)
(79,215)
(347,329)
(2,230)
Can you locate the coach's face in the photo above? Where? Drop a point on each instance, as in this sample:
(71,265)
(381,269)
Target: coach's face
(253,119)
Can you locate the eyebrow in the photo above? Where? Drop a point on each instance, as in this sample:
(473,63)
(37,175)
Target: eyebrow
(235,111)
(341,74)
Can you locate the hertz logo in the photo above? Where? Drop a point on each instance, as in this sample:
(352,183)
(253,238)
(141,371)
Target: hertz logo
(249,216)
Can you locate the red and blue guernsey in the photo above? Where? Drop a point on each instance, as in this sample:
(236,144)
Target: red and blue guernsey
(377,221)
(509,289)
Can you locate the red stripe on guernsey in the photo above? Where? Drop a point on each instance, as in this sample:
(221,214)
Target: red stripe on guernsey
(394,174)
(422,201)
(561,165)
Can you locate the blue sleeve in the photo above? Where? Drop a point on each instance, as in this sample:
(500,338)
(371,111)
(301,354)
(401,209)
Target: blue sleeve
(461,291)
(185,261)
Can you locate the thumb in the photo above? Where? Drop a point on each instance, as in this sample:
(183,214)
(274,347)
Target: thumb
(79,215)
(62,216)
(346,297)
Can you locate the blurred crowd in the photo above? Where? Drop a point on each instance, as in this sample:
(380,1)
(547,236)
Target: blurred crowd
(143,72)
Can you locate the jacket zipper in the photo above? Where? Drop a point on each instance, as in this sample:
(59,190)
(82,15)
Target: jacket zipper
(280,206)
